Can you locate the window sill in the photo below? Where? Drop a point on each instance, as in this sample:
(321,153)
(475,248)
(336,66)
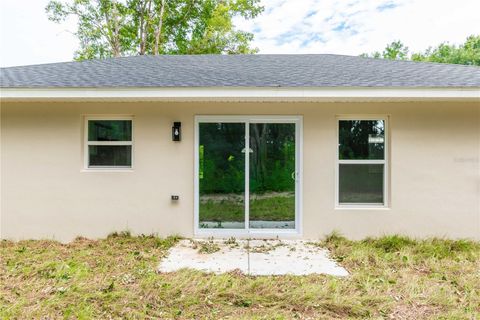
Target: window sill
(363,208)
(107,170)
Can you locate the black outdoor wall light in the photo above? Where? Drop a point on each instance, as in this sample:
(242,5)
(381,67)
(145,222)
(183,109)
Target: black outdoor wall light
(176,131)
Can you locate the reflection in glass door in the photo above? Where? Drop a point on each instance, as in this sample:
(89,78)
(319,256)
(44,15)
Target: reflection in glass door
(221,174)
(247,173)
(272,176)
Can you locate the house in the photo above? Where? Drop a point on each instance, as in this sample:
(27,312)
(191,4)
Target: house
(244,146)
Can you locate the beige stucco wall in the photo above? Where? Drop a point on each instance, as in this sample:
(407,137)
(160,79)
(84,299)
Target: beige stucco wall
(434,170)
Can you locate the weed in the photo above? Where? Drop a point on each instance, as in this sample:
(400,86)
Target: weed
(231,242)
(391,278)
(266,247)
(205,247)
(121,234)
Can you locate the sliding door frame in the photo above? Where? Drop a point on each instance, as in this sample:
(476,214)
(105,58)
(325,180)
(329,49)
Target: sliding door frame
(247,231)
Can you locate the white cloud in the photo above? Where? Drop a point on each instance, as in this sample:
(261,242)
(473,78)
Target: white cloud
(286,26)
(353,26)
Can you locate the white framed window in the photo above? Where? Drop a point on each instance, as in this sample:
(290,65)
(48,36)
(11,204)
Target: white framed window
(108,142)
(362,162)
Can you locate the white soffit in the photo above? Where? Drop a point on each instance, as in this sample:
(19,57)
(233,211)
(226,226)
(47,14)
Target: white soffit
(238,94)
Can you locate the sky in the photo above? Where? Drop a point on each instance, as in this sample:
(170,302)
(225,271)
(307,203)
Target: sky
(348,27)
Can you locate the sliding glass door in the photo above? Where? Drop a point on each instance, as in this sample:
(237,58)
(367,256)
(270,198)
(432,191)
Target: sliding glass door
(221,174)
(272,175)
(247,173)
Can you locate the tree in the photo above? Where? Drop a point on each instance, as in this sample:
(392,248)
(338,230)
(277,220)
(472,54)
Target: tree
(394,51)
(467,53)
(113,28)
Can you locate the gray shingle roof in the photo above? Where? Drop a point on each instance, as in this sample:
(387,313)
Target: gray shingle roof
(319,70)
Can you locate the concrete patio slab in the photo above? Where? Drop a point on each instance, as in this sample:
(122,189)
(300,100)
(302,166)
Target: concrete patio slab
(254,257)
(186,255)
(291,257)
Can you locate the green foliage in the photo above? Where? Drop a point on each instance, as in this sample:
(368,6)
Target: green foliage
(122,234)
(281,208)
(391,243)
(467,53)
(112,28)
(222,158)
(220,211)
(394,51)
(275,208)
(354,139)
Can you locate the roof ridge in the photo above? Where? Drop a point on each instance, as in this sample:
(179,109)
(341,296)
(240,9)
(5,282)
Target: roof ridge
(113,59)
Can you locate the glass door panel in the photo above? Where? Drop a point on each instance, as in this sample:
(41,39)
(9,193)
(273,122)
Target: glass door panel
(272,175)
(221,173)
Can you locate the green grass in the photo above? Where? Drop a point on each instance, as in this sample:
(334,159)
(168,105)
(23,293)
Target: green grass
(279,208)
(391,278)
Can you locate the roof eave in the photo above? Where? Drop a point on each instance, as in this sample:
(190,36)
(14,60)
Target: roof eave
(241,94)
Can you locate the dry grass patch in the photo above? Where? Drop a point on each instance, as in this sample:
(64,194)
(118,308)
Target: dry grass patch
(391,278)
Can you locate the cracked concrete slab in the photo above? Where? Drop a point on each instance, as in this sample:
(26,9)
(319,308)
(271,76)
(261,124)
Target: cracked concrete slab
(254,257)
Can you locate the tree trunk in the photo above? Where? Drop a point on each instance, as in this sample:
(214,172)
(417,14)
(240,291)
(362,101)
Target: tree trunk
(158,32)
(145,16)
(261,153)
(141,13)
(116,32)
(113,28)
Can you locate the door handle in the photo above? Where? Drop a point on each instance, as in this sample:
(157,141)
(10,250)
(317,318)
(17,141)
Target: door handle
(294,176)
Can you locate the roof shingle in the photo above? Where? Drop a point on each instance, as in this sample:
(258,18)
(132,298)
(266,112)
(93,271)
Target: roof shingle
(316,70)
